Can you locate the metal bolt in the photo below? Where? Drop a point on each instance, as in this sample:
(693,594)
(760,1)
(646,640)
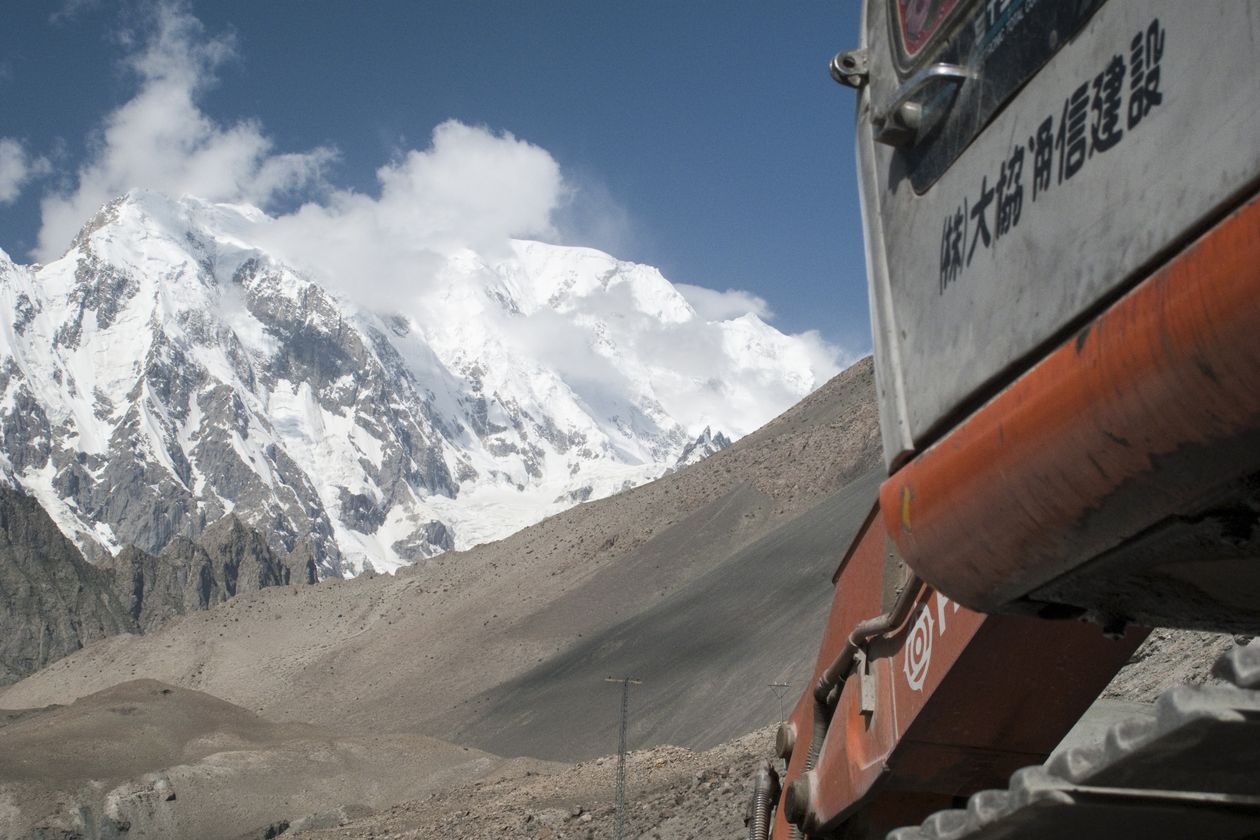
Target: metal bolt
(796,803)
(850,68)
(785,740)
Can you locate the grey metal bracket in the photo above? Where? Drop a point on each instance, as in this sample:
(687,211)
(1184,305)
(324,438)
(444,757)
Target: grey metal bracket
(866,683)
(901,121)
(851,68)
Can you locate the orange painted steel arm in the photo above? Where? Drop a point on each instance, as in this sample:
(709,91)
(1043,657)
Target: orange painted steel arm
(1144,412)
(961,700)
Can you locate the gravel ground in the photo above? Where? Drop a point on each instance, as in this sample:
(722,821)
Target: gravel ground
(1168,658)
(678,794)
(672,794)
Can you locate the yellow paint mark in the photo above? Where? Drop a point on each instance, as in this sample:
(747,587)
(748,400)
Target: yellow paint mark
(905,507)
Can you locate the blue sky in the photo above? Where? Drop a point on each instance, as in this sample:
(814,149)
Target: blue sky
(704,138)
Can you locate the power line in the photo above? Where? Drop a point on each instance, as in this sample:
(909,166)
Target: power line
(626,682)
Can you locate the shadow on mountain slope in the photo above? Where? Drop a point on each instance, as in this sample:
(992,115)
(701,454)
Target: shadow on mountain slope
(706,576)
(705,653)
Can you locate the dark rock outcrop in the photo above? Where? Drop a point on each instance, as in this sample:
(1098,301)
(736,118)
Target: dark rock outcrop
(423,542)
(55,602)
(158,588)
(229,558)
(242,557)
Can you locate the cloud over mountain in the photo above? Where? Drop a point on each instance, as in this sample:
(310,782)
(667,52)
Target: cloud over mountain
(162,140)
(398,367)
(18,168)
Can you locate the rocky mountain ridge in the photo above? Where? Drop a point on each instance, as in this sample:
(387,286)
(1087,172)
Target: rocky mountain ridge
(170,370)
(655,577)
(56,602)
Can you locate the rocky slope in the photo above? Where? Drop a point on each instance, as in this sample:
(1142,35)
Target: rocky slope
(761,523)
(55,602)
(170,369)
(670,793)
(685,578)
(148,760)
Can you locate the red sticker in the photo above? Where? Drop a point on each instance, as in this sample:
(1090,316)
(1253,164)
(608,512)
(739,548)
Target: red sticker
(919,20)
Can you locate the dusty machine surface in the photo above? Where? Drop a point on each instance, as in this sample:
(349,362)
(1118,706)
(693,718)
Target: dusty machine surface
(1063,250)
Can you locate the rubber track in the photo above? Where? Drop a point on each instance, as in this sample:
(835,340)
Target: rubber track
(1191,771)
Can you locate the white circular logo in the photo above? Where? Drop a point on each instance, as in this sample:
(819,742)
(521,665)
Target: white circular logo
(919,649)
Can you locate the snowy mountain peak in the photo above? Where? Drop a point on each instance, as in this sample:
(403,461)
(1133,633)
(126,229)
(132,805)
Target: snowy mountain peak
(706,443)
(176,366)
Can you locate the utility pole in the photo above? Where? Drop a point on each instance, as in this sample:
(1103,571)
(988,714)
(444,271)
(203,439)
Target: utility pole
(626,682)
(779,689)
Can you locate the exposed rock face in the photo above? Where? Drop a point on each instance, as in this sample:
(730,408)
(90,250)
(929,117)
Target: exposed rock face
(157,589)
(54,601)
(243,558)
(706,444)
(229,558)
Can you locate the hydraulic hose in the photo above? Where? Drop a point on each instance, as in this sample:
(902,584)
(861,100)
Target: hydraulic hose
(863,632)
(765,794)
(825,692)
(796,803)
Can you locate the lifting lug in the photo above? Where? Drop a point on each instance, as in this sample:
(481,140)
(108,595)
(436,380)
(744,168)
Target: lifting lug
(850,69)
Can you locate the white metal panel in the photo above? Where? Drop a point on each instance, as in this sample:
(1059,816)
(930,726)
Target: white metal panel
(945,327)
(889,385)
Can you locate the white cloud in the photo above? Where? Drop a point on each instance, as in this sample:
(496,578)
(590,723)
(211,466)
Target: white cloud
(471,188)
(734,375)
(731,374)
(721,306)
(161,140)
(462,198)
(71,9)
(17,169)
(592,216)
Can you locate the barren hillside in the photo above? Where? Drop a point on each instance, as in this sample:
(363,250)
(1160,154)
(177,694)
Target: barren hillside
(708,584)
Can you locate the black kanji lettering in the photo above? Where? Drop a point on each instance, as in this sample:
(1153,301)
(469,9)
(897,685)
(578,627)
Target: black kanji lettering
(1071,137)
(1042,147)
(951,248)
(1105,131)
(1010,192)
(1145,52)
(979,212)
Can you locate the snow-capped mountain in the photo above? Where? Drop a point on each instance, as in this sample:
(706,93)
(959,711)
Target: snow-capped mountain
(169,369)
(706,444)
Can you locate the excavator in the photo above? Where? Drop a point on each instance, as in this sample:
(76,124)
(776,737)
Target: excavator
(1062,223)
